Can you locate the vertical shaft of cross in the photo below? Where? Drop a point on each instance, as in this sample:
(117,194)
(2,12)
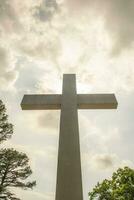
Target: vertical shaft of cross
(69,179)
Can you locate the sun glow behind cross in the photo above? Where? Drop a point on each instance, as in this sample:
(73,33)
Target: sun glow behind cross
(81,45)
(70,52)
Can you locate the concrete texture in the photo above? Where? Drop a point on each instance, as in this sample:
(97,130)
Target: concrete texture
(41,102)
(96,101)
(69,179)
(53,102)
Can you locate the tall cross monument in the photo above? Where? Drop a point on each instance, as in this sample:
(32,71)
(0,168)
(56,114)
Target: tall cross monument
(69,179)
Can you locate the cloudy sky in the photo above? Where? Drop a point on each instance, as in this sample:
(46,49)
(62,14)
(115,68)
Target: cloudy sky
(41,40)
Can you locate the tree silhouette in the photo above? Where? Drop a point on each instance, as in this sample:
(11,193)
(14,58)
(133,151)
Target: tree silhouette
(6,129)
(14,165)
(14,169)
(120,187)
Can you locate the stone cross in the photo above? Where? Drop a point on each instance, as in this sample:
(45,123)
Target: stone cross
(69,178)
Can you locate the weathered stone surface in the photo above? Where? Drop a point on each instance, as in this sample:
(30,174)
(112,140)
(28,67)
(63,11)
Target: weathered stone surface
(41,102)
(84,101)
(96,101)
(69,179)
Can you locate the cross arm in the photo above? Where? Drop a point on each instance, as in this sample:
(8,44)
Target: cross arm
(41,102)
(97,101)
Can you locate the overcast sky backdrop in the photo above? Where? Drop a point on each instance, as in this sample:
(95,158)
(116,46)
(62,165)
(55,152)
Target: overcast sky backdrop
(39,41)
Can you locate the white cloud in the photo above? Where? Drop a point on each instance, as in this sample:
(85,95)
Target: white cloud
(78,44)
(49,120)
(95,136)
(8,17)
(34,194)
(80,41)
(46,10)
(118,17)
(104,161)
(8,74)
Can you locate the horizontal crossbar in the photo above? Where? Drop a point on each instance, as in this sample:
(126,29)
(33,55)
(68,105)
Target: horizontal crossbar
(84,101)
(41,102)
(97,101)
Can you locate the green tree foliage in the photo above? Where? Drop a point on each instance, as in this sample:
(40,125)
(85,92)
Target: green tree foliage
(14,167)
(6,129)
(120,187)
